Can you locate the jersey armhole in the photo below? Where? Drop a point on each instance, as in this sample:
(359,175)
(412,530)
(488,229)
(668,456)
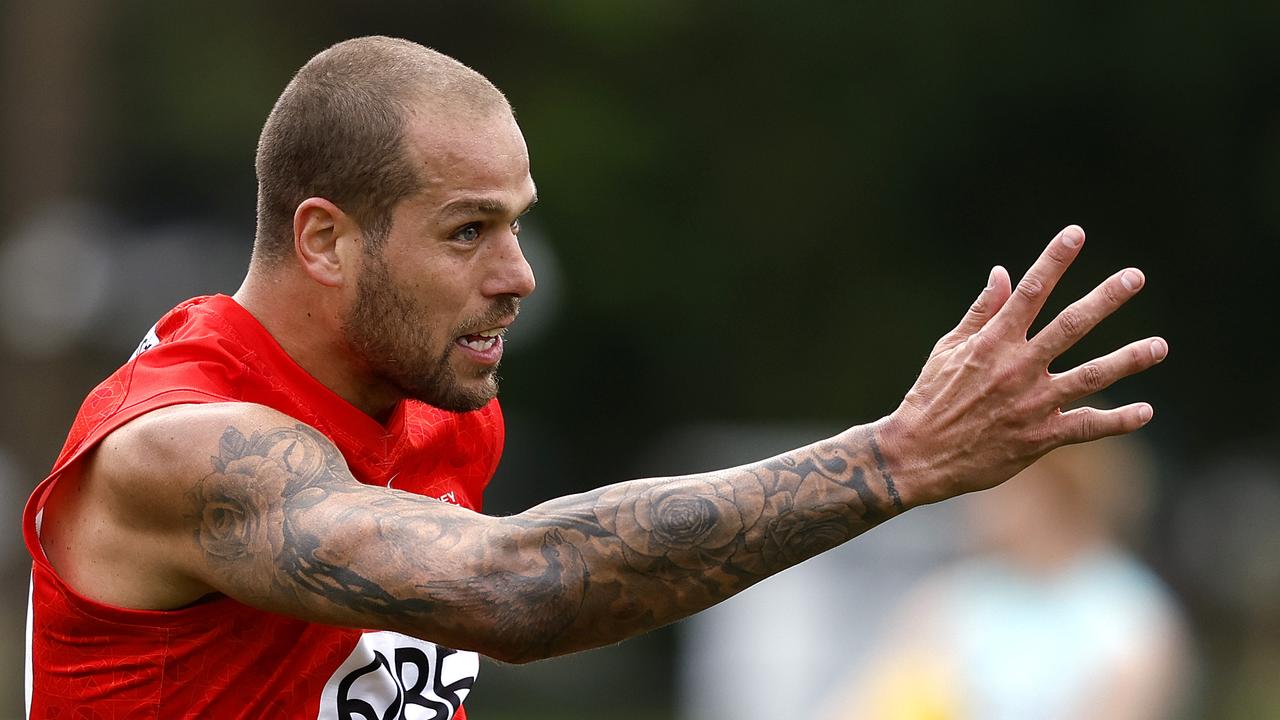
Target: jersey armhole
(68,469)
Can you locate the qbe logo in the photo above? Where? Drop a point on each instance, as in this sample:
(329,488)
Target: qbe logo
(390,676)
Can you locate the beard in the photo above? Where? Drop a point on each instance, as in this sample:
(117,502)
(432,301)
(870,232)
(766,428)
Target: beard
(385,329)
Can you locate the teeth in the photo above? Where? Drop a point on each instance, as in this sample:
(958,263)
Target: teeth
(483,340)
(480,345)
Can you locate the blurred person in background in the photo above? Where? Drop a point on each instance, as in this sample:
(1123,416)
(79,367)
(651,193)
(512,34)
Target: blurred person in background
(1053,617)
(272,509)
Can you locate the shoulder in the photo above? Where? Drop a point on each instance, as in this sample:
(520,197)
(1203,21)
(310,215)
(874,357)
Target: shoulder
(173,447)
(117,527)
(150,470)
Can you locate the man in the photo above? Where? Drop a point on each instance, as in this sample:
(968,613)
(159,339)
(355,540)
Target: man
(247,518)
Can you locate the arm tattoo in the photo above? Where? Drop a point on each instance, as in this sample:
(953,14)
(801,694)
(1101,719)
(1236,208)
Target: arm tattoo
(281,518)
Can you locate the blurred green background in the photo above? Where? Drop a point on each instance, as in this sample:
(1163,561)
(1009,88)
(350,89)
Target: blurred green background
(751,213)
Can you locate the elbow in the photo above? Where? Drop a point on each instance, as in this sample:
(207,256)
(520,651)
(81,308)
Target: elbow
(518,629)
(515,656)
(509,638)
(530,609)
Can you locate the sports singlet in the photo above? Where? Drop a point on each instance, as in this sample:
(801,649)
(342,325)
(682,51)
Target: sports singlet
(219,658)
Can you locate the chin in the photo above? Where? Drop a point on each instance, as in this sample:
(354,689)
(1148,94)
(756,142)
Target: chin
(458,397)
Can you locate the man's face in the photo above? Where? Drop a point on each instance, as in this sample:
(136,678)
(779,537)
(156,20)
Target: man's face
(433,300)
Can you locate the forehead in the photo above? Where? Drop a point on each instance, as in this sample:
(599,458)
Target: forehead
(470,157)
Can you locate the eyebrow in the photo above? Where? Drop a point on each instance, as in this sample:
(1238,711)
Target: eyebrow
(481,206)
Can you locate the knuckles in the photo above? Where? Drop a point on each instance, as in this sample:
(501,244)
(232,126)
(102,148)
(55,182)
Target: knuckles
(1092,378)
(981,342)
(1086,422)
(1140,357)
(1070,323)
(1058,254)
(1030,287)
(1111,291)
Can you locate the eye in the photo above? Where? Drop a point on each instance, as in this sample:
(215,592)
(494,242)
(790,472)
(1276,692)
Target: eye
(468,233)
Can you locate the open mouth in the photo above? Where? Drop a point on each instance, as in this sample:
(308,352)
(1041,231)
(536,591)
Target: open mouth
(482,341)
(484,347)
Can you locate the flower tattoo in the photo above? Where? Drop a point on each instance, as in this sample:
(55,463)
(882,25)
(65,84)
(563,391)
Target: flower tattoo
(694,524)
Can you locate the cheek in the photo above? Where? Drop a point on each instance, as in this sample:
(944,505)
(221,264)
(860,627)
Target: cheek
(444,305)
(433,292)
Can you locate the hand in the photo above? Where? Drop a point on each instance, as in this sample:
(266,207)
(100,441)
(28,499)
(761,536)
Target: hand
(985,405)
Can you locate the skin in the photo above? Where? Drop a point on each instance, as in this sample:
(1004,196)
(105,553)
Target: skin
(241,500)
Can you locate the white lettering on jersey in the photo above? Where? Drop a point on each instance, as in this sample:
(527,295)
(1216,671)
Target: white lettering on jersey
(390,676)
(151,340)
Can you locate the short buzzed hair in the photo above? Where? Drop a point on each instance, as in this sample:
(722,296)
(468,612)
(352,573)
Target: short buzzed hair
(338,132)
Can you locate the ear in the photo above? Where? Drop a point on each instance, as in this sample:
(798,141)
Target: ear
(320,230)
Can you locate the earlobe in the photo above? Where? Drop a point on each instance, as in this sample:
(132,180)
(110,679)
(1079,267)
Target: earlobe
(318,226)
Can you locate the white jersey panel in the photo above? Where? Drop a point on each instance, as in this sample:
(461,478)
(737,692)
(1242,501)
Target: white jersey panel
(396,677)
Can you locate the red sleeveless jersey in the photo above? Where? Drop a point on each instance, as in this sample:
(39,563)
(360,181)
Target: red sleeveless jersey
(219,658)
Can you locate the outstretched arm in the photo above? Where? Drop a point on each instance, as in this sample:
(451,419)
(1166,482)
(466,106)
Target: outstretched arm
(245,501)
(572,573)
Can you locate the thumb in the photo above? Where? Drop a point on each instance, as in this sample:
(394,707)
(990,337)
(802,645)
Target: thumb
(989,301)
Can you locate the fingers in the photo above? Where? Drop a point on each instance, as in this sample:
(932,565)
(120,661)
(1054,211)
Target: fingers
(988,302)
(1101,373)
(1085,424)
(1028,297)
(1083,315)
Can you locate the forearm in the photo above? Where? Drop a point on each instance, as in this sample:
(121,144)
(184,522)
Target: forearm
(641,554)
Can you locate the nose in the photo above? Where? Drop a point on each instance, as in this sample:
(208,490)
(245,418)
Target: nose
(511,273)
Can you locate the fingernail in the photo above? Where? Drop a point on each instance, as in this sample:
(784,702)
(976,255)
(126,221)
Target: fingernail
(1144,413)
(1159,349)
(1072,237)
(991,278)
(1131,280)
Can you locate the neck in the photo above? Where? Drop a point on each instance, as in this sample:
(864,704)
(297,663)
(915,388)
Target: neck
(306,320)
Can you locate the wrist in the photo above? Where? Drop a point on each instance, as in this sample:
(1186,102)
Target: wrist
(902,456)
